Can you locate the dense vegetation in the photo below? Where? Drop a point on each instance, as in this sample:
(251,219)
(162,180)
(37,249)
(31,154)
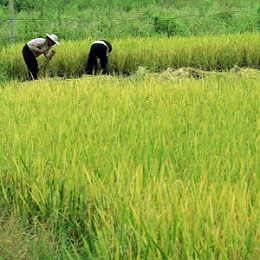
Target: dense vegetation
(209,53)
(116,19)
(160,164)
(130,168)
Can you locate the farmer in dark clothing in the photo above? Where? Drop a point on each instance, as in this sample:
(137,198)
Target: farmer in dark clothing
(98,49)
(36,47)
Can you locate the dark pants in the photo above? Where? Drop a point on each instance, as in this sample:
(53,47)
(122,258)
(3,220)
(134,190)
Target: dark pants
(97,50)
(31,63)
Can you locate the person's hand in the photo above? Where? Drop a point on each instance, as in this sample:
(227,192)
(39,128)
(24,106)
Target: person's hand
(42,51)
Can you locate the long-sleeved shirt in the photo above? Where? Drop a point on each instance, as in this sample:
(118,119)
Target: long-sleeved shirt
(39,44)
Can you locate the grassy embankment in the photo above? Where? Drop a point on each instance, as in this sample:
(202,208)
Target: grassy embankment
(112,19)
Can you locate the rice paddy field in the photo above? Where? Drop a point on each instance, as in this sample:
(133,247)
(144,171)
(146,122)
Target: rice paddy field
(145,163)
(157,54)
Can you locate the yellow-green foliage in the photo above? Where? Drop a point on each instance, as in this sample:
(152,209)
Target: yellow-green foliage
(136,168)
(157,54)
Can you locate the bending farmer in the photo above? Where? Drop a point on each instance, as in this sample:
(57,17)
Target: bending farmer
(98,49)
(36,47)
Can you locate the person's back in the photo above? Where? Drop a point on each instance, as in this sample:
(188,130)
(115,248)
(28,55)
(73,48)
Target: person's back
(99,49)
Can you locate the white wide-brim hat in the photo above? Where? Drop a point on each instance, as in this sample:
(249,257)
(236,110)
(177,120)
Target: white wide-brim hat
(53,37)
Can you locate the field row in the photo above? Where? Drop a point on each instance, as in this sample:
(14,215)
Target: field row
(130,168)
(209,53)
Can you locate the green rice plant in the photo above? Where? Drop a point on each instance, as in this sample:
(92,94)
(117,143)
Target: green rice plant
(133,167)
(210,53)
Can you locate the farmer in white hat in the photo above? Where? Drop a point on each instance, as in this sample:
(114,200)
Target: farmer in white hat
(36,47)
(98,49)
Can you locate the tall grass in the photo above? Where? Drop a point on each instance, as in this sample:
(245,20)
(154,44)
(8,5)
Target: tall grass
(156,53)
(129,168)
(75,20)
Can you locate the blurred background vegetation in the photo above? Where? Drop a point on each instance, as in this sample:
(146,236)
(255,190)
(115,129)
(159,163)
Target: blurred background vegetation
(80,19)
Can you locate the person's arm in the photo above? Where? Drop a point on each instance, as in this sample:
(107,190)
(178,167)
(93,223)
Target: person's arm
(36,45)
(47,54)
(104,62)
